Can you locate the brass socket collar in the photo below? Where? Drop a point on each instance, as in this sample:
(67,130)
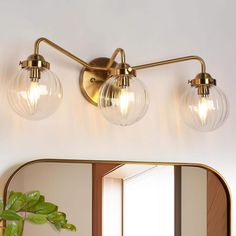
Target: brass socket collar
(202,79)
(35,60)
(122,69)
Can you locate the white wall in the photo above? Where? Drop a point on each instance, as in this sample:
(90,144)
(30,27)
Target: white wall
(148,30)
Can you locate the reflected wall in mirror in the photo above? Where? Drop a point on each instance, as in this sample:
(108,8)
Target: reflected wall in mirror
(125,199)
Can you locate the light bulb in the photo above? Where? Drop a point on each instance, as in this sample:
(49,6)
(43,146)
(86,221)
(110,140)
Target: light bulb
(123,105)
(204,106)
(204,112)
(34,93)
(125,101)
(35,99)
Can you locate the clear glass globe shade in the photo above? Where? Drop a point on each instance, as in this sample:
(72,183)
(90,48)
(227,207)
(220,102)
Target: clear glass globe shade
(35,100)
(123,105)
(204,113)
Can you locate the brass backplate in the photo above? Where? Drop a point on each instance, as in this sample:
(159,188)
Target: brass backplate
(90,81)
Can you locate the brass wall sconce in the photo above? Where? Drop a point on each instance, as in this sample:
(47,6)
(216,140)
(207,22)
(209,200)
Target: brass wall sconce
(122,98)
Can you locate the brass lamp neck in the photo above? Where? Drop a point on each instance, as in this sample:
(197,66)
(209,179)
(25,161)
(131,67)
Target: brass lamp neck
(203,82)
(202,79)
(122,69)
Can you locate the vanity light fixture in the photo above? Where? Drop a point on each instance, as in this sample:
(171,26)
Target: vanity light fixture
(122,98)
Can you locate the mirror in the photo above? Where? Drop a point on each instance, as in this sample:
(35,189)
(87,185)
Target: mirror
(125,199)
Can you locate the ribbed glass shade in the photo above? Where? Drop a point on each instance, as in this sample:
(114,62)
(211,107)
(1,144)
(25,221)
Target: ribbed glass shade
(35,100)
(204,113)
(123,105)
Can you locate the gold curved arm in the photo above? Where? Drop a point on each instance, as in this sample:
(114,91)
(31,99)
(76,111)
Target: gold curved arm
(114,55)
(65,52)
(77,59)
(171,61)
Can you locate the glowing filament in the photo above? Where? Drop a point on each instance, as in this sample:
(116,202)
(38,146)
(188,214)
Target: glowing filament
(126,98)
(33,94)
(203,107)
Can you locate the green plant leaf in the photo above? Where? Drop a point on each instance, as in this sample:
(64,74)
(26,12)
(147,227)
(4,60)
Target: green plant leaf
(15,201)
(31,199)
(11,230)
(69,227)
(37,218)
(20,227)
(57,217)
(41,199)
(44,208)
(57,226)
(32,208)
(10,215)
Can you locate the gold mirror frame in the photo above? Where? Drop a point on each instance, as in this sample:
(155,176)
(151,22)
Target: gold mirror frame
(208,168)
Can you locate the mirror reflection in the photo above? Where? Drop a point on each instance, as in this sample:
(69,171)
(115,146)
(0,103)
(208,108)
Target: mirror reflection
(126,199)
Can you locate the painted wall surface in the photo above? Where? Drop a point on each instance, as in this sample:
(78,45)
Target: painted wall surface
(148,30)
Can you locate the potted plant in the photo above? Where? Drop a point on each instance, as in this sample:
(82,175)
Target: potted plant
(32,207)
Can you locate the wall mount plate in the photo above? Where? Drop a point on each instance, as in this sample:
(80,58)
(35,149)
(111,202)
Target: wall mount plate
(90,81)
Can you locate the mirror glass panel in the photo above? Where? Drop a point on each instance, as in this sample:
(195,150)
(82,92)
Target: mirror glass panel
(126,199)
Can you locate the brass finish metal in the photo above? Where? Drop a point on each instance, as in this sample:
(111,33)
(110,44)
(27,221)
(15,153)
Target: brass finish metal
(62,50)
(203,79)
(203,90)
(77,59)
(90,81)
(97,71)
(35,60)
(114,55)
(123,81)
(203,82)
(220,177)
(35,73)
(171,61)
(123,69)
(35,64)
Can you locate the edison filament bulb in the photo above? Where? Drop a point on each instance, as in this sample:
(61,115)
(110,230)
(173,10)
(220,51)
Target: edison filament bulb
(35,93)
(123,103)
(204,111)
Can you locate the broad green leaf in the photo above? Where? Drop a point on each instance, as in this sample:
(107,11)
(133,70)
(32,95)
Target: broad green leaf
(31,199)
(11,230)
(41,199)
(31,208)
(44,208)
(57,226)
(37,218)
(69,227)
(15,201)
(10,215)
(33,195)
(57,217)
(20,227)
